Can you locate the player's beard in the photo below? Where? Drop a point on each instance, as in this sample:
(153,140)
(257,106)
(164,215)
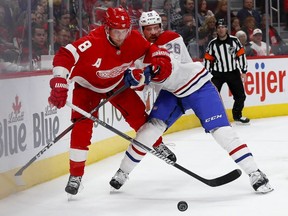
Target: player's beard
(153,38)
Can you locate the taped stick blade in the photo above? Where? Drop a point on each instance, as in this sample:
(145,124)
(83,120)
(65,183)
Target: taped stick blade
(19,180)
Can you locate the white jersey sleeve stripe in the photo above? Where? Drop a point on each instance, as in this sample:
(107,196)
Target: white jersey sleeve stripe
(73,51)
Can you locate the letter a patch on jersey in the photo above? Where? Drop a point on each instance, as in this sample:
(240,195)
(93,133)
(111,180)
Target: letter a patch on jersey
(97,63)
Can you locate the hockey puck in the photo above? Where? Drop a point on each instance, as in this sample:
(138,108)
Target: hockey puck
(182,206)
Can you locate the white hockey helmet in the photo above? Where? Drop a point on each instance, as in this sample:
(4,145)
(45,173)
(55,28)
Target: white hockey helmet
(150,18)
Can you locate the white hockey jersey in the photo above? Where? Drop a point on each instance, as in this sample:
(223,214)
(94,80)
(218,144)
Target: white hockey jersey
(187,76)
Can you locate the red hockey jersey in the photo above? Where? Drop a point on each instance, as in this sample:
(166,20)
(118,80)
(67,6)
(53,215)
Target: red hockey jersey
(95,63)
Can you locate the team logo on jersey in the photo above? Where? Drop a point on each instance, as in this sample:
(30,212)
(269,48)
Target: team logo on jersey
(113,72)
(231,50)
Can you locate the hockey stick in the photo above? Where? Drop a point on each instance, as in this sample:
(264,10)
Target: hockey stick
(19,173)
(231,176)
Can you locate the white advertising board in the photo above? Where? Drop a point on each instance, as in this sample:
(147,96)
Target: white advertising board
(267,83)
(28,123)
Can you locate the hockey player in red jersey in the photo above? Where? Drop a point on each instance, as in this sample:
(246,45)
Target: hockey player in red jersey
(99,64)
(187,87)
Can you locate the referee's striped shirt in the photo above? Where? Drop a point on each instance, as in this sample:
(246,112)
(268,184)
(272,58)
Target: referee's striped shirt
(225,56)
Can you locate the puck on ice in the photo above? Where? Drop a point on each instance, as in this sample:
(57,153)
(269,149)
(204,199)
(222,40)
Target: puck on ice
(182,206)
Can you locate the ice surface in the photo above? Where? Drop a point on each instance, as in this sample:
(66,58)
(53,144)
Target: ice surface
(155,188)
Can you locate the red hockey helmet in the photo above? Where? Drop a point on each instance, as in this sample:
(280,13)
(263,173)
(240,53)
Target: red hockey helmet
(117,18)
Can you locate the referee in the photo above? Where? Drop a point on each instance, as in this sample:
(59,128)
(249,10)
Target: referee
(225,58)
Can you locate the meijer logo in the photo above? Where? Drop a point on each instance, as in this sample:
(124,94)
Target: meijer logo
(264,82)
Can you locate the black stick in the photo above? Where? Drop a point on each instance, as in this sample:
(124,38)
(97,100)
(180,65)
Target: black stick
(229,177)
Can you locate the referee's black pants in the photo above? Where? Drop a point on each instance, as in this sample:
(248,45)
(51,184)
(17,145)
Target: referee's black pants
(235,84)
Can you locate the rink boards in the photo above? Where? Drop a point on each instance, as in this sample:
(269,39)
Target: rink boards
(28,123)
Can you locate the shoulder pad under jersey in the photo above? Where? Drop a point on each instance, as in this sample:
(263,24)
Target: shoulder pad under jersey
(165,37)
(135,32)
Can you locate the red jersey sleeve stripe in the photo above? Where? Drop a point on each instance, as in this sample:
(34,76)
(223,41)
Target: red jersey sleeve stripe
(190,81)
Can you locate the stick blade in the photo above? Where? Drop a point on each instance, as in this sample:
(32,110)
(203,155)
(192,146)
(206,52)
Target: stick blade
(229,177)
(19,180)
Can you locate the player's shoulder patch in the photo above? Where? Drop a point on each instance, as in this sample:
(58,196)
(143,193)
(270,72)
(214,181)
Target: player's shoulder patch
(165,37)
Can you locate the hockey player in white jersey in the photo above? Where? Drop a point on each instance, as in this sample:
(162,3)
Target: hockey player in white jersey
(188,87)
